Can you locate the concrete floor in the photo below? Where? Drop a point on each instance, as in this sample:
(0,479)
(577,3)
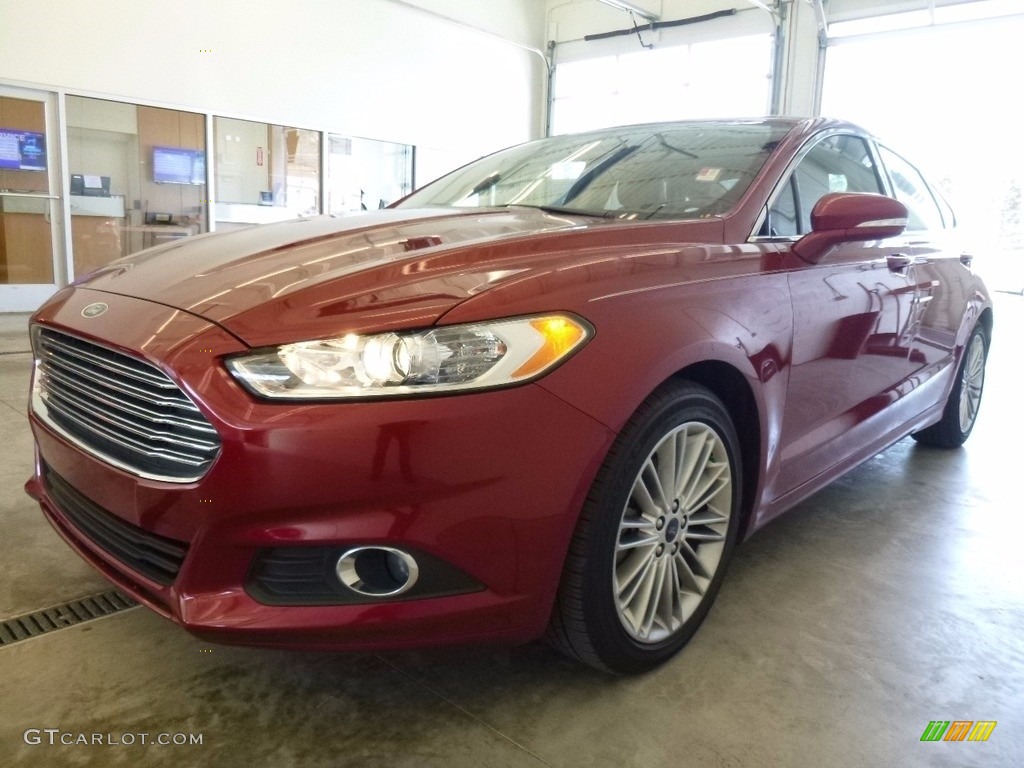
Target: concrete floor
(892,598)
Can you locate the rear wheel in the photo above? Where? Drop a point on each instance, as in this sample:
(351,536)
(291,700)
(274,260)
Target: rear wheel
(961,411)
(655,535)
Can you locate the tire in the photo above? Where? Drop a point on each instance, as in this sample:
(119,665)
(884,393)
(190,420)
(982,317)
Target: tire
(631,544)
(961,411)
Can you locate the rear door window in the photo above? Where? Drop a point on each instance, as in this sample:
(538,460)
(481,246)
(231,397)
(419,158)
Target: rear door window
(913,191)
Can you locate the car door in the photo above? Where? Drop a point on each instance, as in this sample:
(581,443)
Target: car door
(939,274)
(853,319)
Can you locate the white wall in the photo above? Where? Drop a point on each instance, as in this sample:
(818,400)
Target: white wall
(374,68)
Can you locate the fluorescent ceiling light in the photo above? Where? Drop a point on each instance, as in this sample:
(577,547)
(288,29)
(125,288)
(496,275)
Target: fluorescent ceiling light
(624,6)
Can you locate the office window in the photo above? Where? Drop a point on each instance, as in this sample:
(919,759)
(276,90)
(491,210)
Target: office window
(363,174)
(264,172)
(137,178)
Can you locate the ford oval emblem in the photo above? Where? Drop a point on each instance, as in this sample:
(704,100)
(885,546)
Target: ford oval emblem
(94,310)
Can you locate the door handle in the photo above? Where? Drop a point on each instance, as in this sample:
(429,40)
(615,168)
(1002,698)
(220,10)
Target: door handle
(899,262)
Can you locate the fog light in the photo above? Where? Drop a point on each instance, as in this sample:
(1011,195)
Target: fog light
(377,571)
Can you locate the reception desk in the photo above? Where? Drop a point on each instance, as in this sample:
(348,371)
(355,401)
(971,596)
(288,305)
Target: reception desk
(102,230)
(96,224)
(237,215)
(26,254)
(103,207)
(158,234)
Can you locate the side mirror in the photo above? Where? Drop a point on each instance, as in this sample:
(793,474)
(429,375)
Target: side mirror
(843,217)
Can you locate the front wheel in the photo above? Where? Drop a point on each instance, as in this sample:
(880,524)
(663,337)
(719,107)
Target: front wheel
(655,535)
(961,411)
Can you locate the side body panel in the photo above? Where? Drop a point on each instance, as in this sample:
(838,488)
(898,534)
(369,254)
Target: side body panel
(853,332)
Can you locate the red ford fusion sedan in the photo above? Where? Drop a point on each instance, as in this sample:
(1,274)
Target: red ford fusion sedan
(545,395)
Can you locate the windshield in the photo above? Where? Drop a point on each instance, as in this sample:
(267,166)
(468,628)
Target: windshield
(681,171)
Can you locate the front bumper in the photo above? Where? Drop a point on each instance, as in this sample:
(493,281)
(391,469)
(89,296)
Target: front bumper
(489,483)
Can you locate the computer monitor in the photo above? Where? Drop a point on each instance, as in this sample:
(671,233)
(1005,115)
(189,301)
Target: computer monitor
(177,165)
(22,150)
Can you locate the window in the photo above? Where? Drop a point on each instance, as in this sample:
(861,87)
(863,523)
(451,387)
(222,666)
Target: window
(912,190)
(364,174)
(838,163)
(672,172)
(264,172)
(783,219)
(137,178)
(717,78)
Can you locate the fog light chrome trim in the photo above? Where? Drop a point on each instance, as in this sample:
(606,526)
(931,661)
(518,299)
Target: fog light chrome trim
(377,571)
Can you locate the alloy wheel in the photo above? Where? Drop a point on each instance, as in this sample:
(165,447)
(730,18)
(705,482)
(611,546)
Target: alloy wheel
(673,532)
(972,382)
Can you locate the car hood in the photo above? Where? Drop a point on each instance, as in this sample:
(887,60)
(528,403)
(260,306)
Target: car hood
(382,270)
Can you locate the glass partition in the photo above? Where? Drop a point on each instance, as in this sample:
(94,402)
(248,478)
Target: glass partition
(137,178)
(363,174)
(26,243)
(264,172)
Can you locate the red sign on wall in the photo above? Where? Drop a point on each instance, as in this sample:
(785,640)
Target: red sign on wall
(259,155)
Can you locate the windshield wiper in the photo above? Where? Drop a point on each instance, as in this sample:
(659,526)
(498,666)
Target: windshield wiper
(487,183)
(563,209)
(587,178)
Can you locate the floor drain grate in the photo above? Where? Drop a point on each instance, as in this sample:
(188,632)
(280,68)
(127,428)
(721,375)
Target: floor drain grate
(65,615)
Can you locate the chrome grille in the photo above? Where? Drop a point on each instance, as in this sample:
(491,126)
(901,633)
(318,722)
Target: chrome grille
(120,409)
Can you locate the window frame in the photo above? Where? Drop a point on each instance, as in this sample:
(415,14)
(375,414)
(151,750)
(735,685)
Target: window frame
(789,175)
(942,206)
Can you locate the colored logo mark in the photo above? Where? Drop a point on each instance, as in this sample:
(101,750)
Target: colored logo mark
(958,730)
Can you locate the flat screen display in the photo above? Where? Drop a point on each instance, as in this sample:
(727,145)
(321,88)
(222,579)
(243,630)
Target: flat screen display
(175,165)
(22,150)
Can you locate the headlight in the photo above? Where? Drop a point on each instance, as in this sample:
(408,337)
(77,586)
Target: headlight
(445,359)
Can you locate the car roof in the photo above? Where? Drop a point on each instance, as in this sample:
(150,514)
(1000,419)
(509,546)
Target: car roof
(806,124)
